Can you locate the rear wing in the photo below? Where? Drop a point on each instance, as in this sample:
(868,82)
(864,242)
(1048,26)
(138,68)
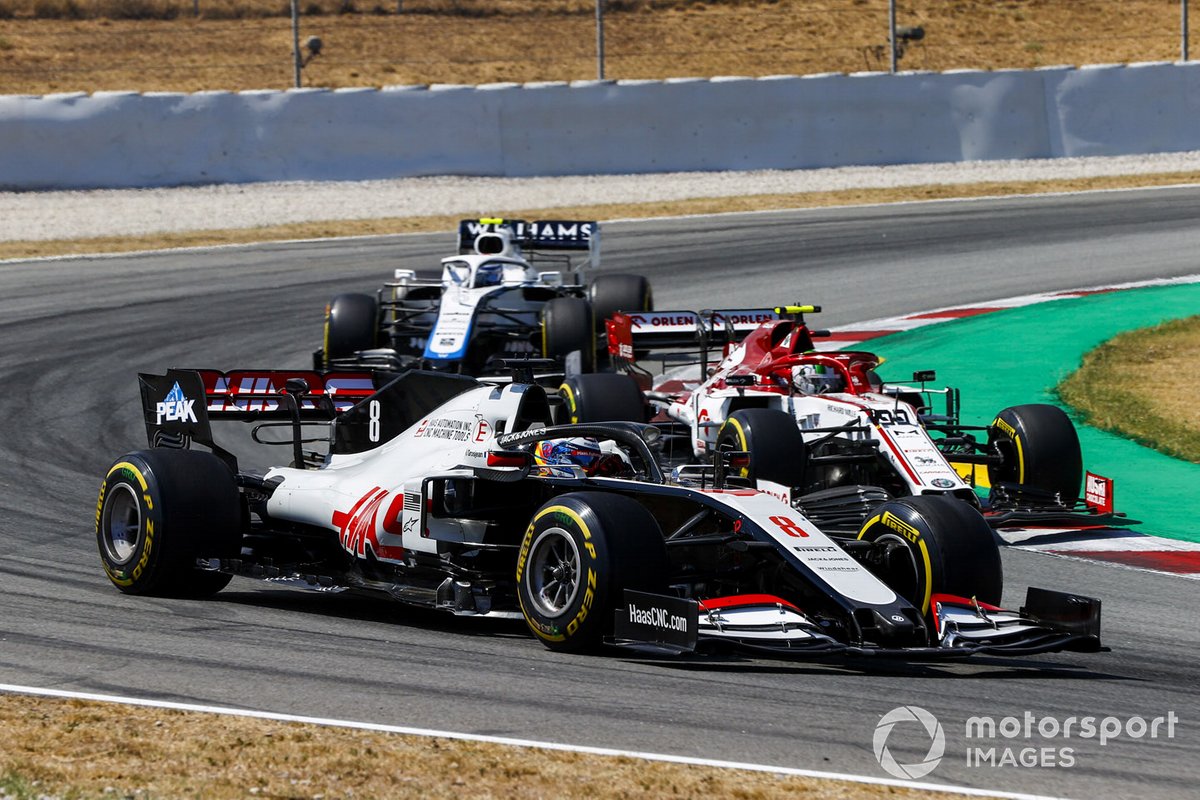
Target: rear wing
(691,330)
(537,235)
(179,407)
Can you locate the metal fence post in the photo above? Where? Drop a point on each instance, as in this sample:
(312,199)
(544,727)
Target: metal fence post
(892,35)
(1183,25)
(296,39)
(600,40)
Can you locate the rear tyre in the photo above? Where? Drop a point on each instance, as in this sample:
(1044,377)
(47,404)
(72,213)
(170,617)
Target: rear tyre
(602,397)
(612,293)
(160,510)
(351,325)
(580,552)
(941,546)
(1039,448)
(567,326)
(777,449)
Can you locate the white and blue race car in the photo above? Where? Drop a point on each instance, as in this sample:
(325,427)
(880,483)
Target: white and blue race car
(513,289)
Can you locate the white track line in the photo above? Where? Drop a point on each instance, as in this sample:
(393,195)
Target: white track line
(502,740)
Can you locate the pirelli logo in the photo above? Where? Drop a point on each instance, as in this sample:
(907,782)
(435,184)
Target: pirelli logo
(890,520)
(1004,426)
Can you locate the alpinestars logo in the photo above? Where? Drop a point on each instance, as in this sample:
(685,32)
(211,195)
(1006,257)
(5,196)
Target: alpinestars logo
(175,407)
(932,728)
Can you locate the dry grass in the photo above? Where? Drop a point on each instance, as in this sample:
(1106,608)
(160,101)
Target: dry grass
(89,45)
(1142,385)
(83,749)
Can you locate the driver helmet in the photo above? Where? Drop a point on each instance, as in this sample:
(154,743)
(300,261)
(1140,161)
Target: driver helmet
(816,379)
(580,451)
(490,273)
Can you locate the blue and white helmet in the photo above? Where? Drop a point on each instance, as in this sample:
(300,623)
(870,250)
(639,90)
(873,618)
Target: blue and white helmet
(489,273)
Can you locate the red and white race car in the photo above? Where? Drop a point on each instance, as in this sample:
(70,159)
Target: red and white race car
(825,432)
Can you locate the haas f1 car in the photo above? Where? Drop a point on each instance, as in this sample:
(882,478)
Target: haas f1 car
(450,493)
(825,432)
(511,290)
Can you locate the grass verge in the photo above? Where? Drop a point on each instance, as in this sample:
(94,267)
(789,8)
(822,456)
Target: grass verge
(77,749)
(1141,385)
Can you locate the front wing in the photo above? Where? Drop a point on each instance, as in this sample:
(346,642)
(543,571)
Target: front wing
(1048,622)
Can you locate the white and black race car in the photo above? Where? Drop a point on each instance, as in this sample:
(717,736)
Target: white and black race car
(512,290)
(450,493)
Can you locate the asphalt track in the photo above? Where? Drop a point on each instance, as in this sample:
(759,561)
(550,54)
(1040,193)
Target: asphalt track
(76,331)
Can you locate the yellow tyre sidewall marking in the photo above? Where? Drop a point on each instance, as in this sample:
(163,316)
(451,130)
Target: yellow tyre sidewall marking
(325,337)
(148,534)
(744,472)
(572,403)
(590,584)
(920,543)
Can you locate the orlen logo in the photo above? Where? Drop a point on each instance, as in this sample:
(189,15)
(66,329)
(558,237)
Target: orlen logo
(745,319)
(175,407)
(663,320)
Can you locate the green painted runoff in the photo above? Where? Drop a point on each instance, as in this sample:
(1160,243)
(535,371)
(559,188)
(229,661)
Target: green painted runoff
(1019,355)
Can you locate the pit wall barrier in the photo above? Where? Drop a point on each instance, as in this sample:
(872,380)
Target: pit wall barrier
(130,139)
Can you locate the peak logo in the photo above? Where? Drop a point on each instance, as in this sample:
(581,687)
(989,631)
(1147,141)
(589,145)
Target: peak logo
(175,407)
(911,719)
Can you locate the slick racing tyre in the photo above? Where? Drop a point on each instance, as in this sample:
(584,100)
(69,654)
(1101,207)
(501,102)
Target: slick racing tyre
(602,397)
(935,545)
(160,510)
(351,325)
(626,293)
(580,552)
(777,450)
(1039,448)
(566,327)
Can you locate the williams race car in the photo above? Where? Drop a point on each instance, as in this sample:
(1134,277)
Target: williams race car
(450,493)
(826,433)
(512,290)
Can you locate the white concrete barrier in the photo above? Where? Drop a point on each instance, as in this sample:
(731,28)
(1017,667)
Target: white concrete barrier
(126,139)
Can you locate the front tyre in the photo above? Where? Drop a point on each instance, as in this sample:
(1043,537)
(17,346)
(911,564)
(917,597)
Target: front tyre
(567,327)
(351,325)
(160,510)
(777,449)
(580,552)
(610,294)
(1039,448)
(602,397)
(934,544)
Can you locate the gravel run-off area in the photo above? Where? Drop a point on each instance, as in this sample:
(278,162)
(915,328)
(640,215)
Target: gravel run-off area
(41,216)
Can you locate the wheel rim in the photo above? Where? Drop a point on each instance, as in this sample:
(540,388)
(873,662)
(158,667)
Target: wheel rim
(906,574)
(1009,468)
(553,574)
(121,526)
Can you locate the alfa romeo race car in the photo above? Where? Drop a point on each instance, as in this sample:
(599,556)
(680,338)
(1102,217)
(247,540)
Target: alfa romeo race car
(826,433)
(450,493)
(511,290)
